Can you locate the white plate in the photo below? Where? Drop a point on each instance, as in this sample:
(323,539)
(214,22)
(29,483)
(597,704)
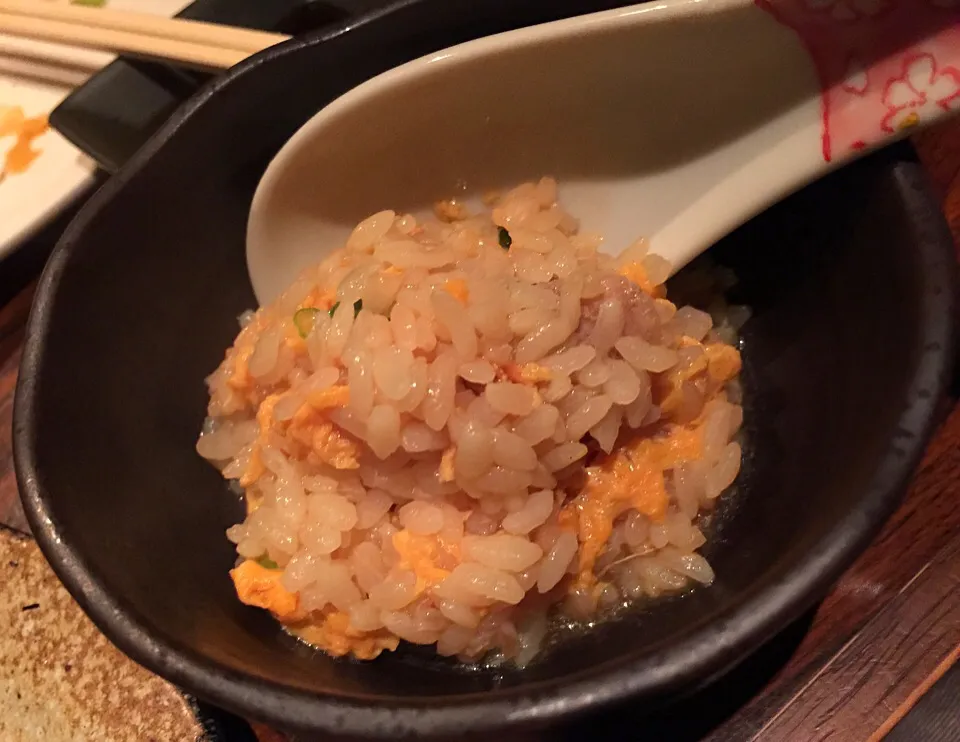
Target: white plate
(61,172)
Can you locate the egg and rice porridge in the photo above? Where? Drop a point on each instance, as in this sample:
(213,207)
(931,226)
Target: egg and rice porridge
(453,427)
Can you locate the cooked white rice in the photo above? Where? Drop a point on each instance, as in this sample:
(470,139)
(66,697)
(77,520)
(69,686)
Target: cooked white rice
(452,425)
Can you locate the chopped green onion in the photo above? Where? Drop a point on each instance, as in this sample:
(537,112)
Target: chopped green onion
(357,306)
(503,236)
(267,563)
(89,3)
(304,320)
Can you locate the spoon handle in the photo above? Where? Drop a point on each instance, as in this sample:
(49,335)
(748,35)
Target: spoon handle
(880,70)
(885,66)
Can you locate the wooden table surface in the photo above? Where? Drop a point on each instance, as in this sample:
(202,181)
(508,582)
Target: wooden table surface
(848,672)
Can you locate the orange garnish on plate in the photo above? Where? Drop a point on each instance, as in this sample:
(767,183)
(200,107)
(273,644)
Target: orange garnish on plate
(14,123)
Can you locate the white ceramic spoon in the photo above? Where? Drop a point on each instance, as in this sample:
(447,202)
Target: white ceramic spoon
(677,120)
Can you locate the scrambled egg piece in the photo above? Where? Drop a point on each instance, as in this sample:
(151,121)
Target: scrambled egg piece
(334,396)
(334,448)
(717,365)
(636,273)
(258,586)
(312,431)
(528,373)
(723,362)
(667,305)
(317,434)
(318,298)
(457,288)
(332,634)
(254,470)
(292,339)
(237,364)
(241,380)
(631,477)
(420,555)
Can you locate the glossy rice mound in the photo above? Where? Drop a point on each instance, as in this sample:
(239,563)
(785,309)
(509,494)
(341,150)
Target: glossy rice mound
(454,427)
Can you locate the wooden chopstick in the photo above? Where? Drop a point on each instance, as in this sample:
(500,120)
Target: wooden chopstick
(55,64)
(200,44)
(196,32)
(120,42)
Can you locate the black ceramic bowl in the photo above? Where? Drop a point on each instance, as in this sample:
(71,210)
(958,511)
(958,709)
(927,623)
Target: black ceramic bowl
(852,287)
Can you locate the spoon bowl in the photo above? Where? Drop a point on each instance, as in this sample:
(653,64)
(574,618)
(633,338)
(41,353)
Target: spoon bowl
(656,119)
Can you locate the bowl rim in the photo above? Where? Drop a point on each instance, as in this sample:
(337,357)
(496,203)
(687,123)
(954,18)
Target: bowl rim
(704,653)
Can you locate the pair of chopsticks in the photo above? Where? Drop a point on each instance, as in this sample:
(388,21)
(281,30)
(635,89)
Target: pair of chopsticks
(194,43)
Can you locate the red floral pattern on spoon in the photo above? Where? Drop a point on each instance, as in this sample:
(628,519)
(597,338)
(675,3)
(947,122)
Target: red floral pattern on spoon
(884,65)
